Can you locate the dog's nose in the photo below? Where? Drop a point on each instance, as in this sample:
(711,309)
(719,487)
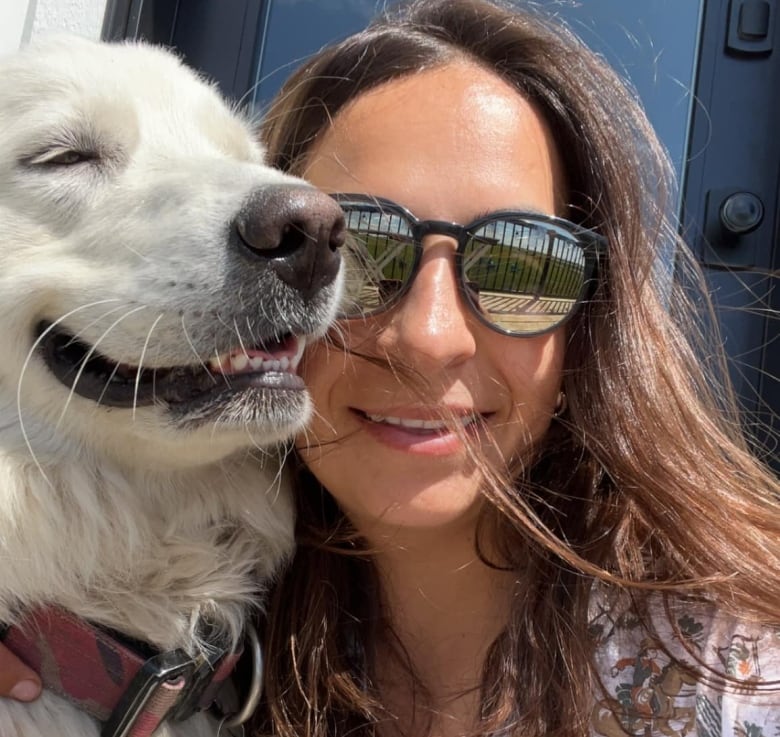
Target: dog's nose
(297,230)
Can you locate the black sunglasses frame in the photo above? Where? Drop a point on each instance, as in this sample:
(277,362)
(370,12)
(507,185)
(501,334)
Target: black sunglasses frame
(593,245)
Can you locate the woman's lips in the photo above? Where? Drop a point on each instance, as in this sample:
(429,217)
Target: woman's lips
(420,433)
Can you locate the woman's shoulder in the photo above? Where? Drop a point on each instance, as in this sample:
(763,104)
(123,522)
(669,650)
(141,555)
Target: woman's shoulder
(677,667)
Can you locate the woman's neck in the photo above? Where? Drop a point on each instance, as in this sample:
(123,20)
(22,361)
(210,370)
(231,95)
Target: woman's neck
(446,607)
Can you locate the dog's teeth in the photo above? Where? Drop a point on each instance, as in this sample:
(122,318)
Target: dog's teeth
(220,364)
(239,362)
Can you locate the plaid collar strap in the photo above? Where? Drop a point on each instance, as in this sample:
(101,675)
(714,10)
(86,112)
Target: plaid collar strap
(130,692)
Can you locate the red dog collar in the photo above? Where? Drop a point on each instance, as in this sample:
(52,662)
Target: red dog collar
(108,678)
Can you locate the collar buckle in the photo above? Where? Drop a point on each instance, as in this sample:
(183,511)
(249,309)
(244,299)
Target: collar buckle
(156,687)
(169,686)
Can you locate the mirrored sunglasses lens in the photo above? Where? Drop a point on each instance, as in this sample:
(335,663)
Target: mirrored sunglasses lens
(524,277)
(379,260)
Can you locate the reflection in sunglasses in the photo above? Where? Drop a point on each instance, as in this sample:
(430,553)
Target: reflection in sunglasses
(521,274)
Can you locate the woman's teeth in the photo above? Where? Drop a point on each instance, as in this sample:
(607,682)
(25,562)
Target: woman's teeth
(436,425)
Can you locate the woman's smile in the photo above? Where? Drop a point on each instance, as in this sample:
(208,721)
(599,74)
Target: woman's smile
(423,432)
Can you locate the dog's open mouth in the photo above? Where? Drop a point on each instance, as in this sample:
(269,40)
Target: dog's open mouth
(94,376)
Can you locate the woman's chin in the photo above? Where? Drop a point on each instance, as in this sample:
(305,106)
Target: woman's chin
(432,511)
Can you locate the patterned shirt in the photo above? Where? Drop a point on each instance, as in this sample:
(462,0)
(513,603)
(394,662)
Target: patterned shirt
(647,693)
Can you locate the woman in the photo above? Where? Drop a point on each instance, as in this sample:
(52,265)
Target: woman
(522,507)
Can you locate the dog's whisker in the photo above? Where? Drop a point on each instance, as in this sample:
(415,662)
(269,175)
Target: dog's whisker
(265,314)
(341,332)
(305,434)
(223,323)
(141,362)
(223,413)
(80,333)
(140,255)
(91,352)
(195,350)
(278,480)
(107,383)
(225,379)
(238,335)
(23,371)
(318,415)
(259,448)
(250,330)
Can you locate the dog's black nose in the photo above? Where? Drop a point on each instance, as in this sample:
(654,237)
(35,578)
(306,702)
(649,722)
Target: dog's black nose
(298,230)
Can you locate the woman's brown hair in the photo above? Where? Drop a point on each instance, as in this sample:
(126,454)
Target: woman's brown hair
(645,483)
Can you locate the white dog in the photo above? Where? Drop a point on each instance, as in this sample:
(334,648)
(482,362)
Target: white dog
(157,285)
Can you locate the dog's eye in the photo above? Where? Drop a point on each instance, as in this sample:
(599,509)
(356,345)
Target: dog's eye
(68,158)
(61,157)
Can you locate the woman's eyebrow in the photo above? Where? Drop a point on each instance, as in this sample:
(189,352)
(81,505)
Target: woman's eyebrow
(524,209)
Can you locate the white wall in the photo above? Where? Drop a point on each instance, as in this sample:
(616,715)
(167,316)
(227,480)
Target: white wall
(16,20)
(21,20)
(82,17)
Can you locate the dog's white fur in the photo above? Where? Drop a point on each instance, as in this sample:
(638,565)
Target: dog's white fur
(129,517)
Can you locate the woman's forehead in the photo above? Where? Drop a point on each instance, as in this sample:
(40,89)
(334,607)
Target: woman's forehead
(455,124)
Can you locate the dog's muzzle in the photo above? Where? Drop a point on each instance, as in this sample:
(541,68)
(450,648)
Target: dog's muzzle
(286,238)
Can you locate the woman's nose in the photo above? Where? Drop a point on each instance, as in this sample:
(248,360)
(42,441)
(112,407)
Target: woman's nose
(430,328)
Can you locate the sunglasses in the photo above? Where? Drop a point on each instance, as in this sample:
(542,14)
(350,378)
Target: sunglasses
(520,273)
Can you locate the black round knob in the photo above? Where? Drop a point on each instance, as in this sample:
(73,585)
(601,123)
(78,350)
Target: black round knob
(741,213)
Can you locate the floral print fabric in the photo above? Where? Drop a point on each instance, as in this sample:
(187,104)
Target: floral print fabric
(690,672)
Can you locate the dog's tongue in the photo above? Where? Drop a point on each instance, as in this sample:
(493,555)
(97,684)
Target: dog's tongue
(282,356)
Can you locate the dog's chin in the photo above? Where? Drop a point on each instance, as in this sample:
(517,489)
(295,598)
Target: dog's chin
(255,388)
(270,408)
